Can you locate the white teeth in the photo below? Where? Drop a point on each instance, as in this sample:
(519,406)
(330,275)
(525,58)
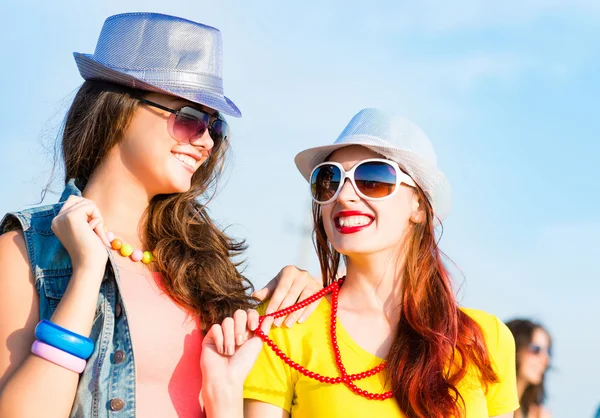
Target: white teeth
(186,159)
(354,220)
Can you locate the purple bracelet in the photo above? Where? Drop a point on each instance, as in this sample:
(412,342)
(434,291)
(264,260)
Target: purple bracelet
(57,356)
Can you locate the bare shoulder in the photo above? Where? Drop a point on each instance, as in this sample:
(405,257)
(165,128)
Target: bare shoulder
(544,413)
(13,256)
(15,237)
(539,412)
(19,303)
(17,285)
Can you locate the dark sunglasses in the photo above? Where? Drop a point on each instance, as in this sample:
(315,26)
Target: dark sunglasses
(373,179)
(188,124)
(537,349)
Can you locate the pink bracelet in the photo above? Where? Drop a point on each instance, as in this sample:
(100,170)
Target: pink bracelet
(56,356)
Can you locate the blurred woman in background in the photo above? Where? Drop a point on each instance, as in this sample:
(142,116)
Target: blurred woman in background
(533,347)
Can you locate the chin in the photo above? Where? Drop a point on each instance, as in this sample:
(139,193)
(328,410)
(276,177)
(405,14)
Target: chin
(350,250)
(175,185)
(535,380)
(182,187)
(358,244)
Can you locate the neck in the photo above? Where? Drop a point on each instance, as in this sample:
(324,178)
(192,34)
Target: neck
(521,386)
(121,199)
(374,282)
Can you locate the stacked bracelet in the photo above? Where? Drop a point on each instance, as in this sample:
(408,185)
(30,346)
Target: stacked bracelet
(63,339)
(57,356)
(61,346)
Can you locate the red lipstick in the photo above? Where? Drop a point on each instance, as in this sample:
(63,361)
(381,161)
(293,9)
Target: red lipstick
(354,228)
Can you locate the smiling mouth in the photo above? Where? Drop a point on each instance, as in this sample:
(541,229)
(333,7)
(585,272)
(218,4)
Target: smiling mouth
(188,162)
(356,220)
(351,223)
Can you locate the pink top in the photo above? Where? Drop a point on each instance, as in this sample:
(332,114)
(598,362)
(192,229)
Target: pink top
(166,346)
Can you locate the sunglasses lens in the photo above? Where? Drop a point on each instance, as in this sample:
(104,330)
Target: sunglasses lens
(375,179)
(189,125)
(219,132)
(537,350)
(324,182)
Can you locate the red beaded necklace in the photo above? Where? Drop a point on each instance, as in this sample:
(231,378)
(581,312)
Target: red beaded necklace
(347,379)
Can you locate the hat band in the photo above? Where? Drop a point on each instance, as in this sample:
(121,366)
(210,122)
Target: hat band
(172,78)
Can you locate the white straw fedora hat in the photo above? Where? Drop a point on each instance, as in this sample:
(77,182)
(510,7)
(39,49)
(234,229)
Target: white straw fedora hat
(160,53)
(397,139)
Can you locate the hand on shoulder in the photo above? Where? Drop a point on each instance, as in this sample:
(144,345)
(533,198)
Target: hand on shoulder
(80,228)
(291,285)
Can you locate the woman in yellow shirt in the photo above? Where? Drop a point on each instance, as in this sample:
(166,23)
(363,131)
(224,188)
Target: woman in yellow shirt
(389,339)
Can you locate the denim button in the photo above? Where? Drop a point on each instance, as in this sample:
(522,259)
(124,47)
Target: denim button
(119,356)
(118,310)
(117,404)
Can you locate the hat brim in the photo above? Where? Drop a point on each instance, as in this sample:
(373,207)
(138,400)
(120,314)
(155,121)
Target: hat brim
(429,178)
(90,69)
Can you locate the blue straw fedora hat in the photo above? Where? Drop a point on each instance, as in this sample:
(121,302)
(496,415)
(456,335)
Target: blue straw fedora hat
(160,53)
(397,139)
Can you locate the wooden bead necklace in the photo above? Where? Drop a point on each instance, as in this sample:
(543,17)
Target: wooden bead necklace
(347,379)
(127,250)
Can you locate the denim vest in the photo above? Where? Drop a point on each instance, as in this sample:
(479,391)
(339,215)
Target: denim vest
(107,385)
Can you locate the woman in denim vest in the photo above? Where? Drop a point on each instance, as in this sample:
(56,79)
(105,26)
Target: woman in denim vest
(129,257)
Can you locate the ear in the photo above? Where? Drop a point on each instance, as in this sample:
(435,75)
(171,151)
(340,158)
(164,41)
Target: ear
(417,214)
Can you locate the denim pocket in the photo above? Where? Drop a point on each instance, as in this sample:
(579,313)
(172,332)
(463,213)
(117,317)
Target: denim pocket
(52,290)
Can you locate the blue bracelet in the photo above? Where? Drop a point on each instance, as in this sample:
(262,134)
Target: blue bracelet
(64,340)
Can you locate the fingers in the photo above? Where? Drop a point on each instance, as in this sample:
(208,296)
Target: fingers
(98,226)
(245,357)
(301,314)
(290,298)
(94,219)
(74,204)
(99,229)
(94,223)
(252,319)
(228,327)
(72,200)
(214,336)
(284,281)
(233,331)
(292,284)
(240,326)
(266,325)
(267,291)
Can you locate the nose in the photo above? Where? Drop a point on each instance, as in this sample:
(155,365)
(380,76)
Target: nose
(546,359)
(347,193)
(204,141)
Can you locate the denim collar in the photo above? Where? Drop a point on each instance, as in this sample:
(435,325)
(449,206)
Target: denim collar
(73,188)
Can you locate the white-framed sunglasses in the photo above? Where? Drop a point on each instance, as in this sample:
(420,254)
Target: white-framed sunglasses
(372,179)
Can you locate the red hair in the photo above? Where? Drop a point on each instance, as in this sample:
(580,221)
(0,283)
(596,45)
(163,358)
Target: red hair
(435,341)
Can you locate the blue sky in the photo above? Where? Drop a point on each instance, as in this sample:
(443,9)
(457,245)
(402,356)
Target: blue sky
(507,91)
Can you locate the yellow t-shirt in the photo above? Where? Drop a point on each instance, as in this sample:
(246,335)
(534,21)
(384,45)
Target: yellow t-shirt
(273,382)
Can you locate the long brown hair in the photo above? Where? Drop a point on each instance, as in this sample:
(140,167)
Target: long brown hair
(193,255)
(432,334)
(522,330)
